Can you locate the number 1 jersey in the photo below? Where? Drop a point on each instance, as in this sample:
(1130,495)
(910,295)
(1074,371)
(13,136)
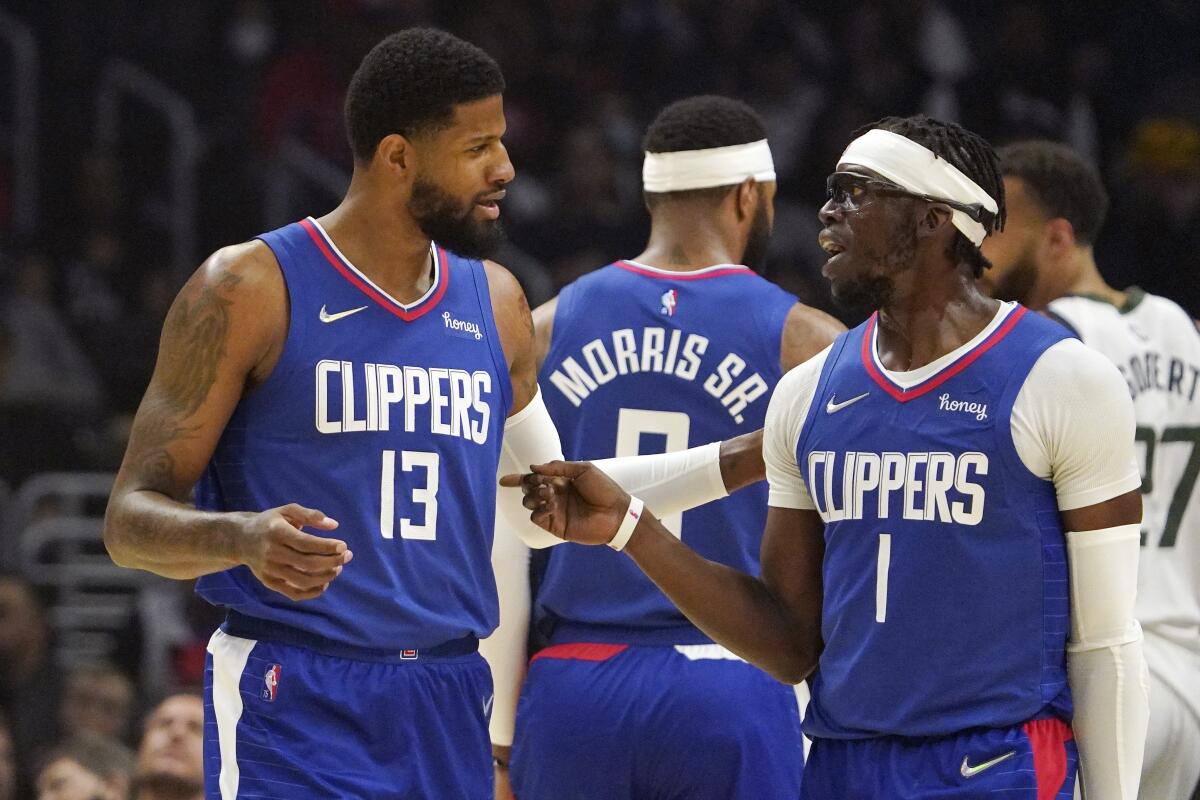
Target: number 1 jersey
(388,418)
(644,360)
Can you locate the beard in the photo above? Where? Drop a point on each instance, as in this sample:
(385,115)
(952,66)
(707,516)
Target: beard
(1017,284)
(873,290)
(866,293)
(758,241)
(448,222)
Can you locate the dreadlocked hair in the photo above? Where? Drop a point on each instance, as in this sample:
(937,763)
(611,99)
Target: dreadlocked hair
(967,151)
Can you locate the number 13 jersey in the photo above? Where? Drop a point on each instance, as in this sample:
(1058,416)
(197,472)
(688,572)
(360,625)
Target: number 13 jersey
(645,360)
(388,418)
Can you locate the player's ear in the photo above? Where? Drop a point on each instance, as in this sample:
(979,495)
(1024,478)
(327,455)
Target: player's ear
(746,199)
(932,219)
(395,153)
(1059,236)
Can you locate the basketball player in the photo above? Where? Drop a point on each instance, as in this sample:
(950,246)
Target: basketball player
(686,350)
(952,539)
(1056,206)
(353,373)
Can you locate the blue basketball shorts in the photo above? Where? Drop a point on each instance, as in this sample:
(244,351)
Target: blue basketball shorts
(605,721)
(1034,761)
(283,721)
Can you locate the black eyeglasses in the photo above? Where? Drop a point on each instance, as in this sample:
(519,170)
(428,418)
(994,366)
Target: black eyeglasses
(848,190)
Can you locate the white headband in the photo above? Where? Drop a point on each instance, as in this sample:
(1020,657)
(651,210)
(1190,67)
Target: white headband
(919,170)
(702,169)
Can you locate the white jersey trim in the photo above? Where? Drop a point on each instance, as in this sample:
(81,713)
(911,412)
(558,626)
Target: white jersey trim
(433,287)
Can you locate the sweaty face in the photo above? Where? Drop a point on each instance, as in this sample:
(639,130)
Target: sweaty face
(1014,252)
(871,240)
(460,180)
(173,745)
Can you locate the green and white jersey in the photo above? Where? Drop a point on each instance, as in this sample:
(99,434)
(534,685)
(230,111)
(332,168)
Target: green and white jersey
(1156,346)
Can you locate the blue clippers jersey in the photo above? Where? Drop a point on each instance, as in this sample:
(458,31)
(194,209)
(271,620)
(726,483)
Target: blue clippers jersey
(644,360)
(388,418)
(945,577)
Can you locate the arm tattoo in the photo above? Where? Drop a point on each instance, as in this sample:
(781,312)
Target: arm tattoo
(194,337)
(196,332)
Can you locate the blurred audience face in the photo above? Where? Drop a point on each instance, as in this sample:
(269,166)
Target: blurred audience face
(8,764)
(66,779)
(172,751)
(22,629)
(97,700)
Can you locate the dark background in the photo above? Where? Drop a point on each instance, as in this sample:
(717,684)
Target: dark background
(137,137)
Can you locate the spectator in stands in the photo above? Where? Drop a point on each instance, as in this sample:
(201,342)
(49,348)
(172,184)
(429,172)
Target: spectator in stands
(170,762)
(8,763)
(97,699)
(86,768)
(30,683)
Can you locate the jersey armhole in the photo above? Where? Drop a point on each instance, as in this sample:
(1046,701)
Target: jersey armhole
(283,250)
(831,361)
(483,296)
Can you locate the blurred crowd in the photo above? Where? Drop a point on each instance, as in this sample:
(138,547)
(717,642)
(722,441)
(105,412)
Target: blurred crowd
(84,290)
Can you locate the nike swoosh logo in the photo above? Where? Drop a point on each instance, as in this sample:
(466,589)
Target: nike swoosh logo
(487,705)
(970,772)
(327,317)
(832,407)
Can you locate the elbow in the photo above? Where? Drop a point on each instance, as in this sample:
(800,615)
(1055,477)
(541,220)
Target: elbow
(791,672)
(114,542)
(793,665)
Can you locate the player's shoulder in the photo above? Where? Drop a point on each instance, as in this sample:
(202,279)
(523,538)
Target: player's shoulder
(501,282)
(802,379)
(1070,366)
(807,331)
(240,276)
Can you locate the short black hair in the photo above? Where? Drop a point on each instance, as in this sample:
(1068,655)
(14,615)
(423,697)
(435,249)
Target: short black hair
(700,123)
(967,151)
(409,84)
(1062,182)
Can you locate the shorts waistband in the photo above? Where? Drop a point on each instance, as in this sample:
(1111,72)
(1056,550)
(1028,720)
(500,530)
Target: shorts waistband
(566,632)
(247,627)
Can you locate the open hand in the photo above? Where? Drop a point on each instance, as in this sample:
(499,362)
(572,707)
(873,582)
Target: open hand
(284,558)
(573,500)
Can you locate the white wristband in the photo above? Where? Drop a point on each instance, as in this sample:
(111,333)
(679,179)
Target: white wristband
(632,515)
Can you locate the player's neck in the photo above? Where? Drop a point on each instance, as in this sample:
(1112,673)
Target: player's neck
(1088,281)
(684,251)
(387,247)
(926,320)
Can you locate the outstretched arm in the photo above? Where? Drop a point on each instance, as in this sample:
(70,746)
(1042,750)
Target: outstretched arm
(223,332)
(772,621)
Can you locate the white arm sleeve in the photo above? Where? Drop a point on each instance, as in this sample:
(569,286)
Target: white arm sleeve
(1072,423)
(505,649)
(1105,665)
(789,406)
(529,438)
(669,483)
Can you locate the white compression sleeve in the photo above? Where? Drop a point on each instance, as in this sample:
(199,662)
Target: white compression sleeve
(669,483)
(505,649)
(1105,666)
(529,438)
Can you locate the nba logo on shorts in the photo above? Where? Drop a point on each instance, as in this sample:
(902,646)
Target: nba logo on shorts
(670,299)
(271,683)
